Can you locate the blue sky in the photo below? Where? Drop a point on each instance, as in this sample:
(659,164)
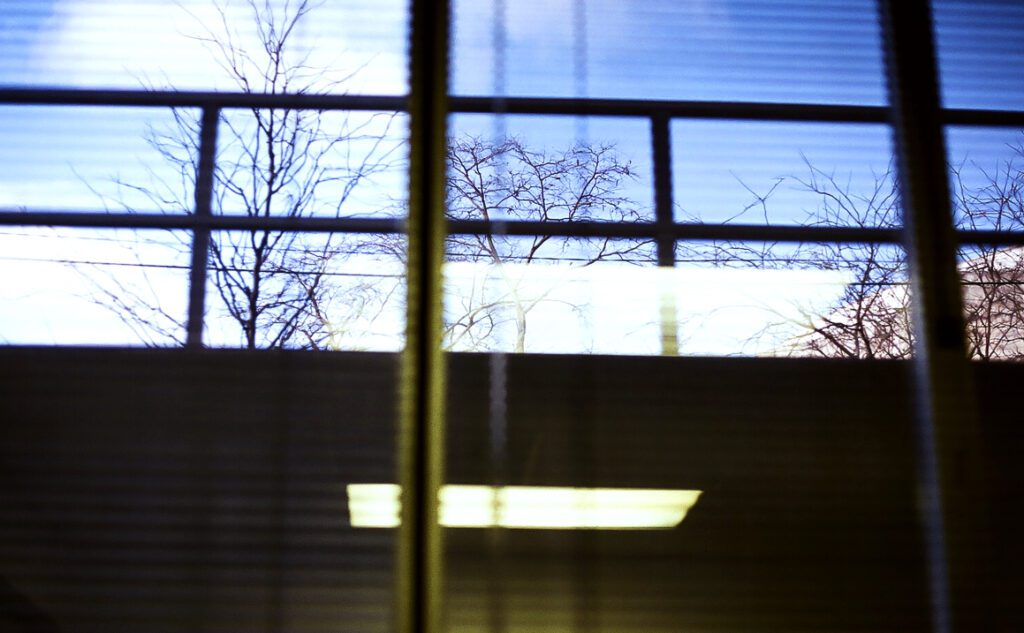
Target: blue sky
(799,51)
(803,51)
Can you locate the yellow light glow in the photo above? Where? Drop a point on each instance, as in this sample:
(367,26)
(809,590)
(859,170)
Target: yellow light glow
(530,507)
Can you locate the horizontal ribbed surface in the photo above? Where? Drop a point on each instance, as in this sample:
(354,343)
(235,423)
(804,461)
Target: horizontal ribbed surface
(780,51)
(807,521)
(170,491)
(153,43)
(980,56)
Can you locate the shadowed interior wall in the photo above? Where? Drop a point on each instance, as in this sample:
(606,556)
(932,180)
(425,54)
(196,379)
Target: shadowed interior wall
(169,491)
(164,490)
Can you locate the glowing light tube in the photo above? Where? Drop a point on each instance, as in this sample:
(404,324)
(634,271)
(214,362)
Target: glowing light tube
(530,507)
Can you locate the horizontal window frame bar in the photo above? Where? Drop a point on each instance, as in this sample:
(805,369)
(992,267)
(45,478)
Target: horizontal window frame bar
(189,222)
(645,230)
(200,99)
(982,118)
(741,110)
(990,238)
(738,110)
(679,231)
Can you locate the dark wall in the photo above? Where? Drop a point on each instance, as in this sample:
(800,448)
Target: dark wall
(807,520)
(167,490)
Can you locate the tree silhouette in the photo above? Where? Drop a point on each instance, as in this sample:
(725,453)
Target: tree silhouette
(993,277)
(871,317)
(495,281)
(272,288)
(506,180)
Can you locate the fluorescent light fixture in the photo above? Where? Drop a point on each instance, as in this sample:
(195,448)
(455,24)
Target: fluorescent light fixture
(530,507)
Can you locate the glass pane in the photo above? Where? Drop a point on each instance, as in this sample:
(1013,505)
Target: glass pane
(993,291)
(232,45)
(987,177)
(551,295)
(94,159)
(304,163)
(272,289)
(93,287)
(980,56)
(818,300)
(796,52)
(783,173)
(549,169)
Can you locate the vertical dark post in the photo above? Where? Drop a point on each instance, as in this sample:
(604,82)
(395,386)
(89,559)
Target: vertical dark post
(421,428)
(661,148)
(952,485)
(201,227)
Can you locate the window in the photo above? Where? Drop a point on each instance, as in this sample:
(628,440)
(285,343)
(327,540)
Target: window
(652,295)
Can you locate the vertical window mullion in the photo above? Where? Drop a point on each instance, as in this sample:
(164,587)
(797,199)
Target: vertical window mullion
(661,149)
(421,430)
(661,145)
(201,225)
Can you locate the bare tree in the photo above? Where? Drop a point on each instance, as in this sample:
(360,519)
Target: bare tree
(871,317)
(273,288)
(281,288)
(505,180)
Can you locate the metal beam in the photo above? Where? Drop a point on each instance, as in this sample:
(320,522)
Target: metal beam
(421,430)
(991,238)
(643,230)
(196,99)
(983,118)
(674,109)
(951,481)
(201,234)
(654,230)
(664,217)
(86,219)
(739,110)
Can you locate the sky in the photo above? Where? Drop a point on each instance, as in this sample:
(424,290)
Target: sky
(798,51)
